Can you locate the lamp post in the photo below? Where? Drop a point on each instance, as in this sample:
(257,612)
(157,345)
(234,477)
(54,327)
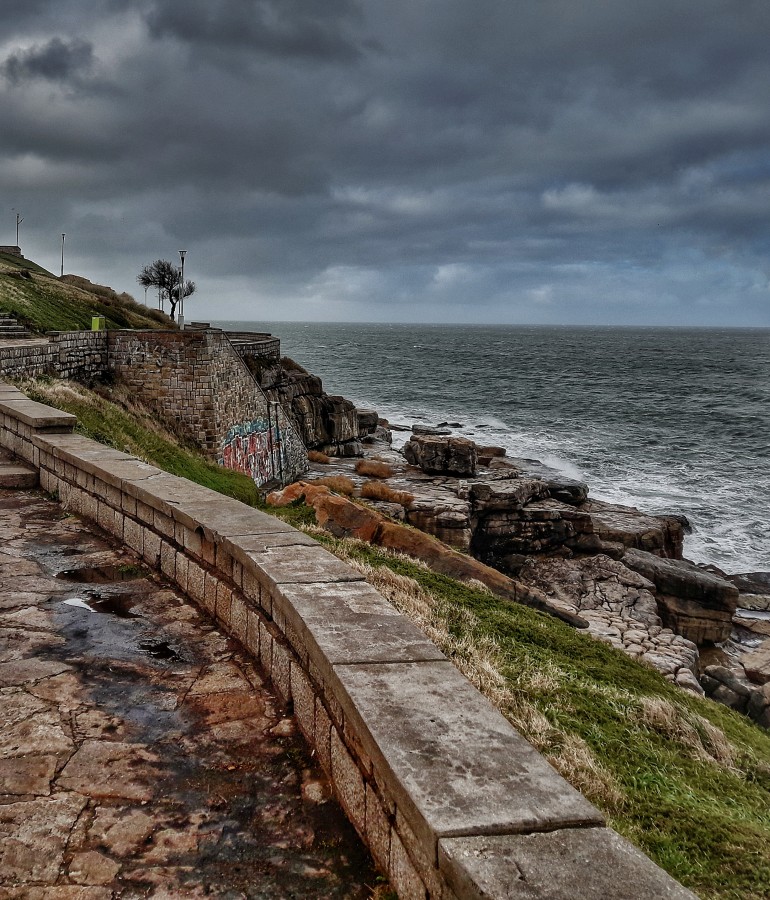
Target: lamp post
(62,254)
(19,220)
(180,317)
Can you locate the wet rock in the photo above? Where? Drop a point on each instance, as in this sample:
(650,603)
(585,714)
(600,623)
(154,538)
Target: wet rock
(693,602)
(442,455)
(433,430)
(567,490)
(660,535)
(722,685)
(752,583)
(488,454)
(757,664)
(368,421)
(758,706)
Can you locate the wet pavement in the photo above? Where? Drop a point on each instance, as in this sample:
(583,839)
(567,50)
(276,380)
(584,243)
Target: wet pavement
(141,754)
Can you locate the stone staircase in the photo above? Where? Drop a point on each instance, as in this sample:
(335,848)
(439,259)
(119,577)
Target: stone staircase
(10,328)
(15,474)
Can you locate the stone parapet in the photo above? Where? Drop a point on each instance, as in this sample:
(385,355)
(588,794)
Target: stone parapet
(81,355)
(451,800)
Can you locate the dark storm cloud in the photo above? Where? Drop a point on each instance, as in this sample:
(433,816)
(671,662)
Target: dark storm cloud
(56,60)
(285,28)
(545,160)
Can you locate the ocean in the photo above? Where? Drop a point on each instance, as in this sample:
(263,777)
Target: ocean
(670,420)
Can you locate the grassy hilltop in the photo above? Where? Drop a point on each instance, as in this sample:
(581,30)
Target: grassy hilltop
(44,302)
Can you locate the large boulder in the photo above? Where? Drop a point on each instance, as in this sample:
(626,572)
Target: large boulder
(442,455)
(368,421)
(661,535)
(693,602)
(756,664)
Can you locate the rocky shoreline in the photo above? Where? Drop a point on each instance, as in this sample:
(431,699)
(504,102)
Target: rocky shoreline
(614,569)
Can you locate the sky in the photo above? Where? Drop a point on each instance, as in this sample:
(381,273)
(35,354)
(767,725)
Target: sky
(471,161)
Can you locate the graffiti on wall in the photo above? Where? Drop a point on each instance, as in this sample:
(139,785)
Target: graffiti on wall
(257,449)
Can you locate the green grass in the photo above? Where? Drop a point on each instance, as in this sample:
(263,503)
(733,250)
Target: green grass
(686,780)
(43,302)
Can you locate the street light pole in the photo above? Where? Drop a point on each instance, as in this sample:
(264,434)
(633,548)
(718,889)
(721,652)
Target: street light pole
(62,254)
(19,220)
(180,317)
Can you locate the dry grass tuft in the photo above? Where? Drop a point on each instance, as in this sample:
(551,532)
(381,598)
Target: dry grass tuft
(340,484)
(317,457)
(376,490)
(699,737)
(373,468)
(575,761)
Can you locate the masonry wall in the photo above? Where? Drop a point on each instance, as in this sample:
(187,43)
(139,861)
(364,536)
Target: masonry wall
(264,346)
(452,802)
(198,381)
(80,355)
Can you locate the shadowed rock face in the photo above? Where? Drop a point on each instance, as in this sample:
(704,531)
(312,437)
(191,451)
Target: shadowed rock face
(327,423)
(697,604)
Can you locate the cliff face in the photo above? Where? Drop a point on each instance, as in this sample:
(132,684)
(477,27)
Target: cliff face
(327,423)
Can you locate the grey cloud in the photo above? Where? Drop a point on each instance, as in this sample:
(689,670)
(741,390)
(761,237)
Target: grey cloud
(291,28)
(57,60)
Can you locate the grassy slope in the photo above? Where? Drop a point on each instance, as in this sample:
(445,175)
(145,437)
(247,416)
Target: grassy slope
(686,780)
(43,302)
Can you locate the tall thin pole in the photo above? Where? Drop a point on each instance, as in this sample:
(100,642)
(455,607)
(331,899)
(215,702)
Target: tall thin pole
(182,254)
(19,220)
(62,254)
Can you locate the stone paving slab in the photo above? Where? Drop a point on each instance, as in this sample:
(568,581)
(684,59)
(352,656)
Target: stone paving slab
(590,864)
(487,779)
(140,753)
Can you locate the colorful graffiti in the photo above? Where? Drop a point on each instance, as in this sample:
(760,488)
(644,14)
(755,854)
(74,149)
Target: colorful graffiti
(256,449)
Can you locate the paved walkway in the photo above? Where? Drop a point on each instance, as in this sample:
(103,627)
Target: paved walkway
(140,753)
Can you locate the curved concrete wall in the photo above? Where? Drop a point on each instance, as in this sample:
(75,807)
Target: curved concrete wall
(451,800)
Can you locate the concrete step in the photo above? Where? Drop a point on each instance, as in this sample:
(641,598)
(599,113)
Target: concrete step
(10,328)
(15,474)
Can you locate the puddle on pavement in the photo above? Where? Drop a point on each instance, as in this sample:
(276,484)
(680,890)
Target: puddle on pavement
(119,605)
(160,650)
(102,574)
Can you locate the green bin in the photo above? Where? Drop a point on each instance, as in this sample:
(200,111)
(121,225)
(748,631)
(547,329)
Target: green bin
(98,323)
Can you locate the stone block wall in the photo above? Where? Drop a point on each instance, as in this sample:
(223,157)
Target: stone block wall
(264,346)
(452,802)
(80,355)
(197,380)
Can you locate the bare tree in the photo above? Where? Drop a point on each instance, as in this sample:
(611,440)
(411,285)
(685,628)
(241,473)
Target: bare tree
(166,278)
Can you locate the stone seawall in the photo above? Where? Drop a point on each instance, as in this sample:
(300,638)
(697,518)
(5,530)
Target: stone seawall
(451,800)
(80,355)
(197,380)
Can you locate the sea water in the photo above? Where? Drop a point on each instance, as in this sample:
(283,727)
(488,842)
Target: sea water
(668,420)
